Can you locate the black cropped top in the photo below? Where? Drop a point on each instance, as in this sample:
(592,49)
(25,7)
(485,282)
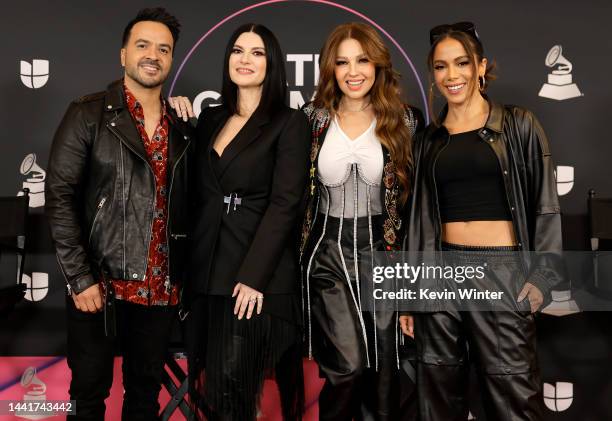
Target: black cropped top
(469,181)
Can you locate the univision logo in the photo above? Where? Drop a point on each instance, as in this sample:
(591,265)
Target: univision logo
(37,286)
(36,74)
(559,397)
(565,179)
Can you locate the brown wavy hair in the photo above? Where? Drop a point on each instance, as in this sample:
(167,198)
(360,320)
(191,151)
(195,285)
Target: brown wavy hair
(384,95)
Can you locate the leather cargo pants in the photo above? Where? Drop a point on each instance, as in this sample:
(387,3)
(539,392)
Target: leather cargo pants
(502,346)
(351,389)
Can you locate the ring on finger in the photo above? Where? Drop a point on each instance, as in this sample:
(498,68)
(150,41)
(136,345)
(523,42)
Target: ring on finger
(252,300)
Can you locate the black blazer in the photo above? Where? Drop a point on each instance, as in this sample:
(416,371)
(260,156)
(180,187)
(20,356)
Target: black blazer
(254,242)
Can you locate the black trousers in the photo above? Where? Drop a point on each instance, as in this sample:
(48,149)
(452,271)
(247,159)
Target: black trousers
(501,344)
(352,390)
(142,336)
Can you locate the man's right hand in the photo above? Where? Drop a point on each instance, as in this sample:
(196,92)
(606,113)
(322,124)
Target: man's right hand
(89,300)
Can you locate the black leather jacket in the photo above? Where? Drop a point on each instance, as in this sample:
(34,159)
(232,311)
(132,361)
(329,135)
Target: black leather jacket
(524,156)
(100,192)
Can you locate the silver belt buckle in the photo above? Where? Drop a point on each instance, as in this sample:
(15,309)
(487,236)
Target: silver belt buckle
(228,200)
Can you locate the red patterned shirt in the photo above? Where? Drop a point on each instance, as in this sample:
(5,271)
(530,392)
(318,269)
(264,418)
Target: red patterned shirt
(156,288)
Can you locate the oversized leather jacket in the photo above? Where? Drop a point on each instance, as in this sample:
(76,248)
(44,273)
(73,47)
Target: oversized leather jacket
(100,192)
(393,215)
(524,156)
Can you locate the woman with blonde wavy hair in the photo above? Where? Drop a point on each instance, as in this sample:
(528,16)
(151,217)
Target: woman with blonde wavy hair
(360,166)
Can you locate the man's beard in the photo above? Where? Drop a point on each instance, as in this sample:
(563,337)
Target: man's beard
(132,72)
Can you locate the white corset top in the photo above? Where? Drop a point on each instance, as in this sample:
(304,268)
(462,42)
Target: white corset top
(350,171)
(339,152)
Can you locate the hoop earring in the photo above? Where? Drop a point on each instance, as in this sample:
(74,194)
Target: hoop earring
(481,83)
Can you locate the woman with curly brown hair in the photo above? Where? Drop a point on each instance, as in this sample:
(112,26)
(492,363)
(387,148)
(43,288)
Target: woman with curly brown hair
(360,166)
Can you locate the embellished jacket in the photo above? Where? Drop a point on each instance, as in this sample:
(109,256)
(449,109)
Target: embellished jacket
(319,119)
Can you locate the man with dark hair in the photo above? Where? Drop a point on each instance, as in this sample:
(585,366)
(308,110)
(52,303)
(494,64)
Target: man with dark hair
(116,203)
(158,14)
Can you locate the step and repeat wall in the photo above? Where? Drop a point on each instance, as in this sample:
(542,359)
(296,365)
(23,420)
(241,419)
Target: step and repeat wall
(552,57)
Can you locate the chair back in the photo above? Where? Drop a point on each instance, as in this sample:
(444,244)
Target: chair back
(14,227)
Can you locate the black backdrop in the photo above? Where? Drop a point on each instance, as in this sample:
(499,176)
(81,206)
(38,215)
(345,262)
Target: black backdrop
(81,42)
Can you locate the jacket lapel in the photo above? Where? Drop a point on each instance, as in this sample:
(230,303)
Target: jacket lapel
(215,127)
(211,134)
(120,121)
(178,139)
(125,129)
(319,123)
(249,132)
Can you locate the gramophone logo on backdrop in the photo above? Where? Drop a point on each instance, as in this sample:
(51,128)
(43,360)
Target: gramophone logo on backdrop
(559,397)
(565,179)
(35,391)
(560,85)
(35,182)
(36,74)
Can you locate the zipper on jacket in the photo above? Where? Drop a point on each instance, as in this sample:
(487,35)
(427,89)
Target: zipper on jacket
(68,286)
(149,229)
(123,271)
(175,236)
(93,224)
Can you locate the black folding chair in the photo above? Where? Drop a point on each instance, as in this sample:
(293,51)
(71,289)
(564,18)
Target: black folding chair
(175,381)
(13,229)
(600,219)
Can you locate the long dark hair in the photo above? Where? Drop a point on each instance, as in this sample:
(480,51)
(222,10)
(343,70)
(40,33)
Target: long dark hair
(274,89)
(475,53)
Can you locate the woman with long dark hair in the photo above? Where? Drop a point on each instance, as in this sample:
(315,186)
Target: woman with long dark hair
(250,171)
(360,165)
(484,192)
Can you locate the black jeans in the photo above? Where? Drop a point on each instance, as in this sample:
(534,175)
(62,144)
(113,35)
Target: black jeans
(142,337)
